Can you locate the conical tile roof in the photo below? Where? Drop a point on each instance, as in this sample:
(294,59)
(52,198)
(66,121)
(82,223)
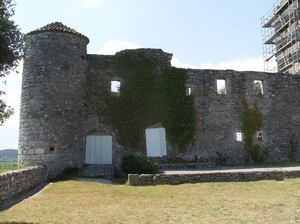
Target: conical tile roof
(58,27)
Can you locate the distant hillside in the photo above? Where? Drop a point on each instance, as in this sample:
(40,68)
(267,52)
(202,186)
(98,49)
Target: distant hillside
(13,153)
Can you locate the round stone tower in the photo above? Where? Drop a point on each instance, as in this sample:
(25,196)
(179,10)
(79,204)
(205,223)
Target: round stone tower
(52,112)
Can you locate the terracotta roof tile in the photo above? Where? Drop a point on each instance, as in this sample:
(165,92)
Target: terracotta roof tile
(58,27)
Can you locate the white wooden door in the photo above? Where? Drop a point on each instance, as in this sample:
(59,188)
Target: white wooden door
(98,149)
(156,142)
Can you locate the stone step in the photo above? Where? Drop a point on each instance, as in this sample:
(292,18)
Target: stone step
(97,171)
(160,159)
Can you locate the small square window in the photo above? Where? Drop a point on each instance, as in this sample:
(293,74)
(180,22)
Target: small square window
(188,91)
(239,136)
(115,86)
(258,87)
(259,136)
(221,86)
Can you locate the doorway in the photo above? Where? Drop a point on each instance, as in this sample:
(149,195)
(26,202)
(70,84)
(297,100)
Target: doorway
(98,149)
(156,142)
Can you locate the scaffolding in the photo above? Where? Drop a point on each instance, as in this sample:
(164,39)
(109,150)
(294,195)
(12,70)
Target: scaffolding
(281,37)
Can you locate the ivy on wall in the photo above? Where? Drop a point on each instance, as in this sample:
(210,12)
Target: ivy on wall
(132,111)
(150,93)
(292,148)
(180,114)
(252,120)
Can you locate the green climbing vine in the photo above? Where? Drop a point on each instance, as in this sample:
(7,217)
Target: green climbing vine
(180,114)
(134,109)
(252,120)
(147,97)
(292,148)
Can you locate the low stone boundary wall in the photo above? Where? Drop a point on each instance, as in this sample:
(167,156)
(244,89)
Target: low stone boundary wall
(15,182)
(188,166)
(212,176)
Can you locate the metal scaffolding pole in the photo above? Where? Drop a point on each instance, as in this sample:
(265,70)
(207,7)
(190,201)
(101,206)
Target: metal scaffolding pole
(280,35)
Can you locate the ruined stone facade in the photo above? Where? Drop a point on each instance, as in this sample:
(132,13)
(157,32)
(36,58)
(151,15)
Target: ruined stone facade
(59,107)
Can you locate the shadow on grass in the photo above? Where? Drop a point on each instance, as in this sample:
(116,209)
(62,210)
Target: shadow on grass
(17,222)
(19,198)
(120,181)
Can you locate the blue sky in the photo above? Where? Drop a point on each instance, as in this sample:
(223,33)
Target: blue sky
(212,34)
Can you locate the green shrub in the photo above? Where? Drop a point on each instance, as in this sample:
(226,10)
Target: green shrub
(67,173)
(132,163)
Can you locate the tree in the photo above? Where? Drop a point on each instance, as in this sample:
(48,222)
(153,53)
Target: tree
(11,39)
(5,111)
(11,49)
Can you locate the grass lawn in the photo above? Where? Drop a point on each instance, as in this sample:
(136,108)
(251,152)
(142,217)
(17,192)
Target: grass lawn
(90,202)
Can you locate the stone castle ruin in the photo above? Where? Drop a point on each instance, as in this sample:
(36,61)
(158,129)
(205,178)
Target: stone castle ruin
(78,108)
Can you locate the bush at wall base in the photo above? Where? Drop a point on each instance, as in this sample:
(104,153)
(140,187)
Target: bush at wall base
(136,164)
(67,173)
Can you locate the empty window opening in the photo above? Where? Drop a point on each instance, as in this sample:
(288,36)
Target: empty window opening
(115,86)
(258,87)
(239,136)
(259,135)
(51,148)
(188,91)
(221,86)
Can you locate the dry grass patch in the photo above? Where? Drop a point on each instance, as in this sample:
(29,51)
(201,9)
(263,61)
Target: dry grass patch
(89,202)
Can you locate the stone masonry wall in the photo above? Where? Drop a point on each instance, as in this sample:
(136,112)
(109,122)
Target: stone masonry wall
(65,91)
(52,112)
(219,116)
(15,182)
(216,176)
(102,69)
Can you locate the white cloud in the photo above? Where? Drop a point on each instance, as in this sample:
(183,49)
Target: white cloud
(92,3)
(10,130)
(248,64)
(14,75)
(113,46)
(176,63)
